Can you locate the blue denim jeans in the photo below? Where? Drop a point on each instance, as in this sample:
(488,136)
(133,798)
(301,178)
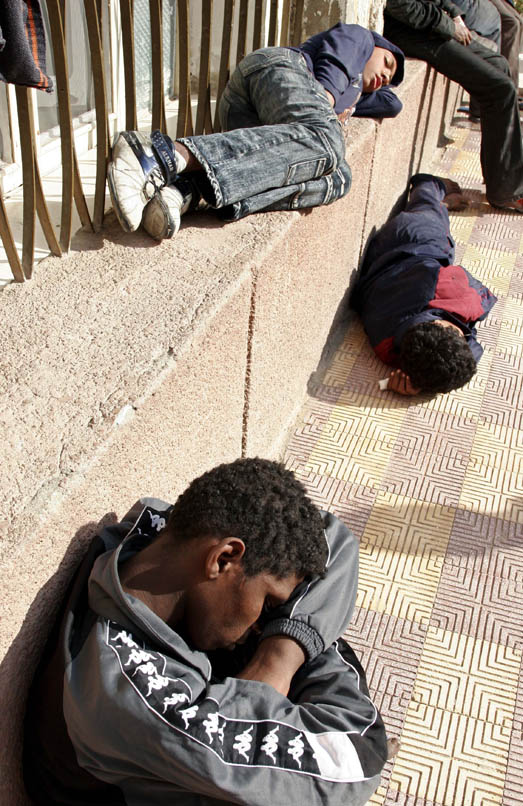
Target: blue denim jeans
(481,16)
(283,148)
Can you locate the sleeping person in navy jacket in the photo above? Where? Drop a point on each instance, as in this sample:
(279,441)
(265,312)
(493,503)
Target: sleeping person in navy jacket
(418,309)
(281,146)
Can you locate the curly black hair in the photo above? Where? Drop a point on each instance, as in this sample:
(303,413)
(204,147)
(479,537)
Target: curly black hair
(436,359)
(262,503)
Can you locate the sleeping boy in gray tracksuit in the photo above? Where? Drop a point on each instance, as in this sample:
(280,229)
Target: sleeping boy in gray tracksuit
(197,659)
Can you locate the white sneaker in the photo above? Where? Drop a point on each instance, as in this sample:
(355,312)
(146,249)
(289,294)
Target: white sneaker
(141,165)
(162,215)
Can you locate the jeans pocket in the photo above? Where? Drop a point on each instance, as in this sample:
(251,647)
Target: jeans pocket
(305,170)
(266,57)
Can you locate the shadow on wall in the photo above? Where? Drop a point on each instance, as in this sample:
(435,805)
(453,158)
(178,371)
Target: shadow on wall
(20,662)
(344,314)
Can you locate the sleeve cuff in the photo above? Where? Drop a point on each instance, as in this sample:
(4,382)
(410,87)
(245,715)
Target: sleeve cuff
(445,27)
(306,636)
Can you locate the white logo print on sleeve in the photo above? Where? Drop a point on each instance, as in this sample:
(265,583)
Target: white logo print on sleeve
(157,522)
(188,714)
(270,743)
(243,743)
(155,681)
(234,741)
(296,749)
(125,638)
(212,726)
(174,699)
(139,656)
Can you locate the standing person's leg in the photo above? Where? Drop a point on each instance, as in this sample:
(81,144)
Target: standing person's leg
(485,75)
(483,18)
(511,30)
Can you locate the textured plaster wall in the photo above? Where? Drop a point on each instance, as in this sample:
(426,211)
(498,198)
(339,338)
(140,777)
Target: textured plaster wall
(321,14)
(129,367)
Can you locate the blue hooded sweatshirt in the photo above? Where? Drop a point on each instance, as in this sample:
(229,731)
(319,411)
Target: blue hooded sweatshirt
(338,56)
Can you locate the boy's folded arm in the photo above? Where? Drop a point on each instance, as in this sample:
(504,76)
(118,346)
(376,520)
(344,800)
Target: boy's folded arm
(231,738)
(384,103)
(320,608)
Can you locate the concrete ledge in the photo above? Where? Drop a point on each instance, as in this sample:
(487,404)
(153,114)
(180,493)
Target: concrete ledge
(297,293)
(131,367)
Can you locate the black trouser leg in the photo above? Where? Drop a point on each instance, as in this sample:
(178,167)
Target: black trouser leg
(484,75)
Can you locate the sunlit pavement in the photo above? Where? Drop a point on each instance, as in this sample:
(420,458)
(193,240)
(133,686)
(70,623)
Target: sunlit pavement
(433,488)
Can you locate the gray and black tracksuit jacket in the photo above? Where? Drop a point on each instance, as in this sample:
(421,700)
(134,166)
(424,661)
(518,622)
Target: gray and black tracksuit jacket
(123,711)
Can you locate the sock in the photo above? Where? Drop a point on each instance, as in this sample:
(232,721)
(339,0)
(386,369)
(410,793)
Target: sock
(181,162)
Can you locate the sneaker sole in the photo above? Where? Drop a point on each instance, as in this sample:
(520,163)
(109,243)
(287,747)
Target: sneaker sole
(506,208)
(114,198)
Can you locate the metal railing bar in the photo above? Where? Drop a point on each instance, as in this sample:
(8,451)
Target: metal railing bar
(79,198)
(102,147)
(297,23)
(241,49)
(258,25)
(273,23)
(9,244)
(285,23)
(44,217)
(185,126)
(127,22)
(158,103)
(225,54)
(28,176)
(34,200)
(203,114)
(65,121)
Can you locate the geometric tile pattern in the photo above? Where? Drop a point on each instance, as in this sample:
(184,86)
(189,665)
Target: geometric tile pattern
(433,489)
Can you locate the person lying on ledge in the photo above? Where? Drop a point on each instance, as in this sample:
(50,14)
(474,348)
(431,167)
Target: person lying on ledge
(197,658)
(282,146)
(418,309)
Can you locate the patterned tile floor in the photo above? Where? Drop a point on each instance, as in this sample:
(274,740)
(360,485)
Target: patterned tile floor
(434,491)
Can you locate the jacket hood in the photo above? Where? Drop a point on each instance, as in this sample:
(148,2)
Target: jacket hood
(381,42)
(108,599)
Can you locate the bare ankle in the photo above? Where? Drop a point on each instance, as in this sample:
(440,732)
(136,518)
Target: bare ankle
(191,163)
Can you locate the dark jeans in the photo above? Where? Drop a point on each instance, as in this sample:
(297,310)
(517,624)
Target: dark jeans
(511,30)
(484,75)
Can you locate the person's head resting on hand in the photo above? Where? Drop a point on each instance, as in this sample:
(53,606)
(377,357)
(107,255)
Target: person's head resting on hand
(385,65)
(244,534)
(434,357)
